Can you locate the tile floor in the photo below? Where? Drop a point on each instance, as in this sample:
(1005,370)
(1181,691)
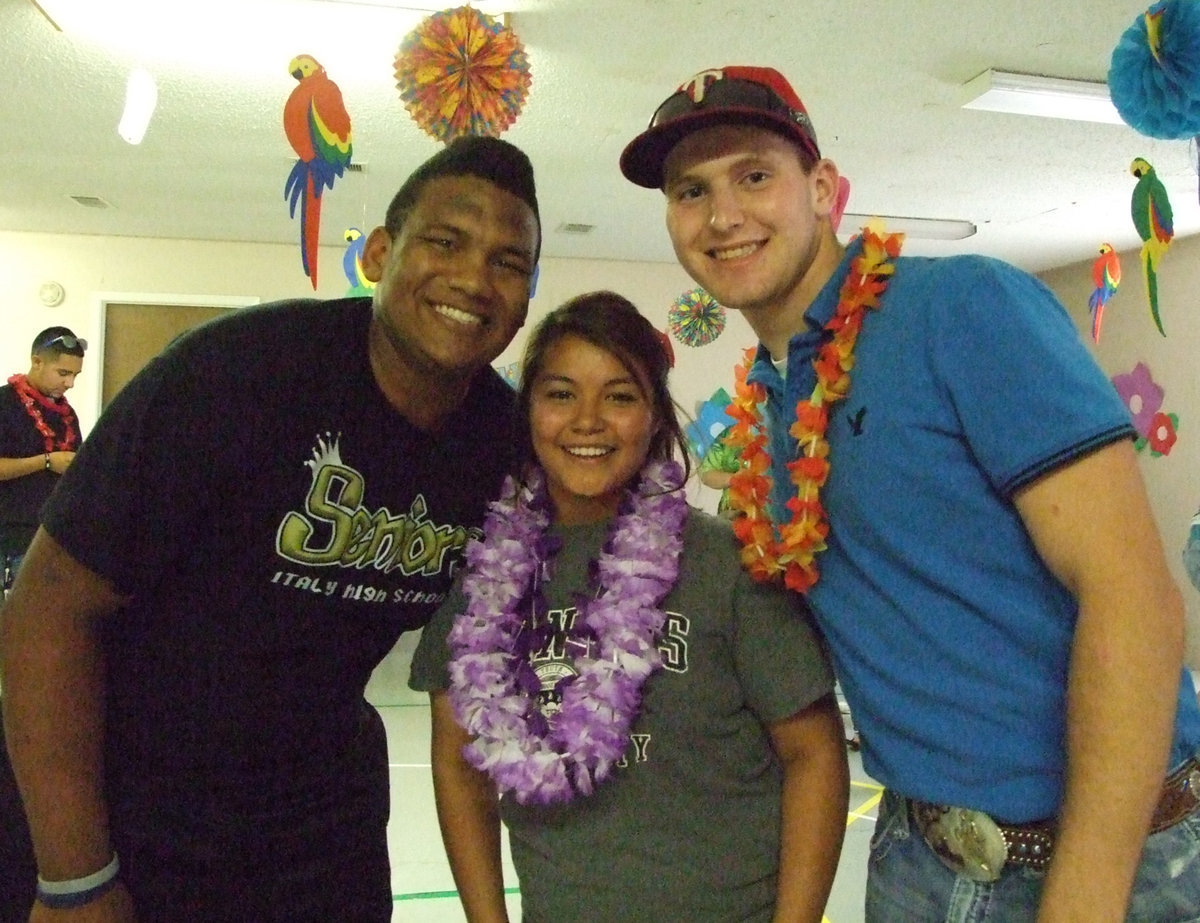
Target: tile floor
(422,888)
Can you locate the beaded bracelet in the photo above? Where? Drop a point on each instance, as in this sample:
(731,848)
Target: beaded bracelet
(66,895)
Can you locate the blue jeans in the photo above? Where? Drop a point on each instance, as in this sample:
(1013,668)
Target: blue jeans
(907,883)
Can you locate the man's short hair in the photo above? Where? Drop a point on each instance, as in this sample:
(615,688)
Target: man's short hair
(54,341)
(491,159)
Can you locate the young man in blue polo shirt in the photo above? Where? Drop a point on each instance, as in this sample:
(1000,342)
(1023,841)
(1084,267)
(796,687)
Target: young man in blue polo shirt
(968,522)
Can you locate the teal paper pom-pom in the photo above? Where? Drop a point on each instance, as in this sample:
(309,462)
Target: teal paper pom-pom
(1160,96)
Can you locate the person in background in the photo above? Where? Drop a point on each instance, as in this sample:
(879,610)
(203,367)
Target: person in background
(1006,631)
(39,434)
(253,522)
(665,740)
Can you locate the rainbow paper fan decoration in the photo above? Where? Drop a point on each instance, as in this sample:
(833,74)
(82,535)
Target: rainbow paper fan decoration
(460,72)
(696,318)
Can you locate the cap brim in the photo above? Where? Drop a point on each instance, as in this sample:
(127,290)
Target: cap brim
(643,158)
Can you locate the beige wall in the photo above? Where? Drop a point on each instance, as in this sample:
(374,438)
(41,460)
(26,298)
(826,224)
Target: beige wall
(87,266)
(1128,337)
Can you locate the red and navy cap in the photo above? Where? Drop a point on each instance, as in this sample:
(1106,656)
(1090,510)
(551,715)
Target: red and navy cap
(725,96)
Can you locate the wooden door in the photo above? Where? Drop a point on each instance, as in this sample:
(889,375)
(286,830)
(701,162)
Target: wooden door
(136,333)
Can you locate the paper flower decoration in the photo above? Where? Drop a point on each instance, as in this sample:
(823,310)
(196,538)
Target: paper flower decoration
(696,318)
(1154,74)
(1141,395)
(1164,430)
(1144,398)
(460,72)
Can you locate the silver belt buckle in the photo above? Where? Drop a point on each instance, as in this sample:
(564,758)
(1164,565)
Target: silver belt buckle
(974,843)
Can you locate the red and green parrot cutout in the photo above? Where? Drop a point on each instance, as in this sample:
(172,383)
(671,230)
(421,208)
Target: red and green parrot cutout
(1106,276)
(1155,224)
(318,128)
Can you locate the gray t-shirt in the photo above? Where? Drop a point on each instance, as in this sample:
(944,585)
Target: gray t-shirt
(688,829)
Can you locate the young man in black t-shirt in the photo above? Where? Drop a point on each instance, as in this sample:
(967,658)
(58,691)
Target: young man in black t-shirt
(252,523)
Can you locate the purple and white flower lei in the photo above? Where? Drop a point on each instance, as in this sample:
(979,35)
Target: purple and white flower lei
(546,761)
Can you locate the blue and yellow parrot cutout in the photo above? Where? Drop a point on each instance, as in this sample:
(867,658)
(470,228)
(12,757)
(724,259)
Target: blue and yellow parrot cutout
(318,128)
(1106,276)
(352,263)
(1151,211)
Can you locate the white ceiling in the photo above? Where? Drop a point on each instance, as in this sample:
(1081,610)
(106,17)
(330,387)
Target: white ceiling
(881,80)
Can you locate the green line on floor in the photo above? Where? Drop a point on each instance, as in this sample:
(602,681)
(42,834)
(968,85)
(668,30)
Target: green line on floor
(437,895)
(860,813)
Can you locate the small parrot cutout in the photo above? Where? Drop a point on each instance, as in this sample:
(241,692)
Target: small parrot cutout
(318,128)
(352,263)
(1151,211)
(1106,276)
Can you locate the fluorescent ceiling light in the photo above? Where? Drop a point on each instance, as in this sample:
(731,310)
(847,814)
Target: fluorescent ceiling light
(141,96)
(1051,97)
(923,228)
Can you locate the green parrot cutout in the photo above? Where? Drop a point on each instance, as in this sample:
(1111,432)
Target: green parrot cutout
(1151,210)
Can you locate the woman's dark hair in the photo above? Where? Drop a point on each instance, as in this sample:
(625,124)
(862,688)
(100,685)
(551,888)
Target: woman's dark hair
(612,323)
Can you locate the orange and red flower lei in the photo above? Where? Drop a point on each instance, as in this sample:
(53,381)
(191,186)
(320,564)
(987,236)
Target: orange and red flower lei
(789,550)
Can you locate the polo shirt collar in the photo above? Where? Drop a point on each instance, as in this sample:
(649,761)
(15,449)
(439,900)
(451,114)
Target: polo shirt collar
(805,343)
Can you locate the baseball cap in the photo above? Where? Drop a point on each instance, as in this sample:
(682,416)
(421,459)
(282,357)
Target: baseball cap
(733,95)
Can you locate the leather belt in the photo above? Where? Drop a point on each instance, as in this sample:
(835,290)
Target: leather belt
(1180,797)
(974,845)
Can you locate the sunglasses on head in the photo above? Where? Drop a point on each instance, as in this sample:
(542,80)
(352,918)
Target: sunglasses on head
(727,93)
(67,342)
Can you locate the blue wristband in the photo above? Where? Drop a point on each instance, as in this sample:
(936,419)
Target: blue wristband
(66,895)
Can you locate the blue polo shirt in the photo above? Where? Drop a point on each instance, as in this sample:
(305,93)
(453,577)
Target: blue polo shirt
(950,636)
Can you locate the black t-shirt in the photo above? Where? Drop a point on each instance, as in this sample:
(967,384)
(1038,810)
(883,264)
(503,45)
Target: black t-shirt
(277,524)
(21,498)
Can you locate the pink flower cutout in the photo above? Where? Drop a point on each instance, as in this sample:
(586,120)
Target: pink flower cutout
(1142,397)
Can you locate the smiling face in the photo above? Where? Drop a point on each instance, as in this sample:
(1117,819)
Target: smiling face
(747,221)
(453,283)
(591,422)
